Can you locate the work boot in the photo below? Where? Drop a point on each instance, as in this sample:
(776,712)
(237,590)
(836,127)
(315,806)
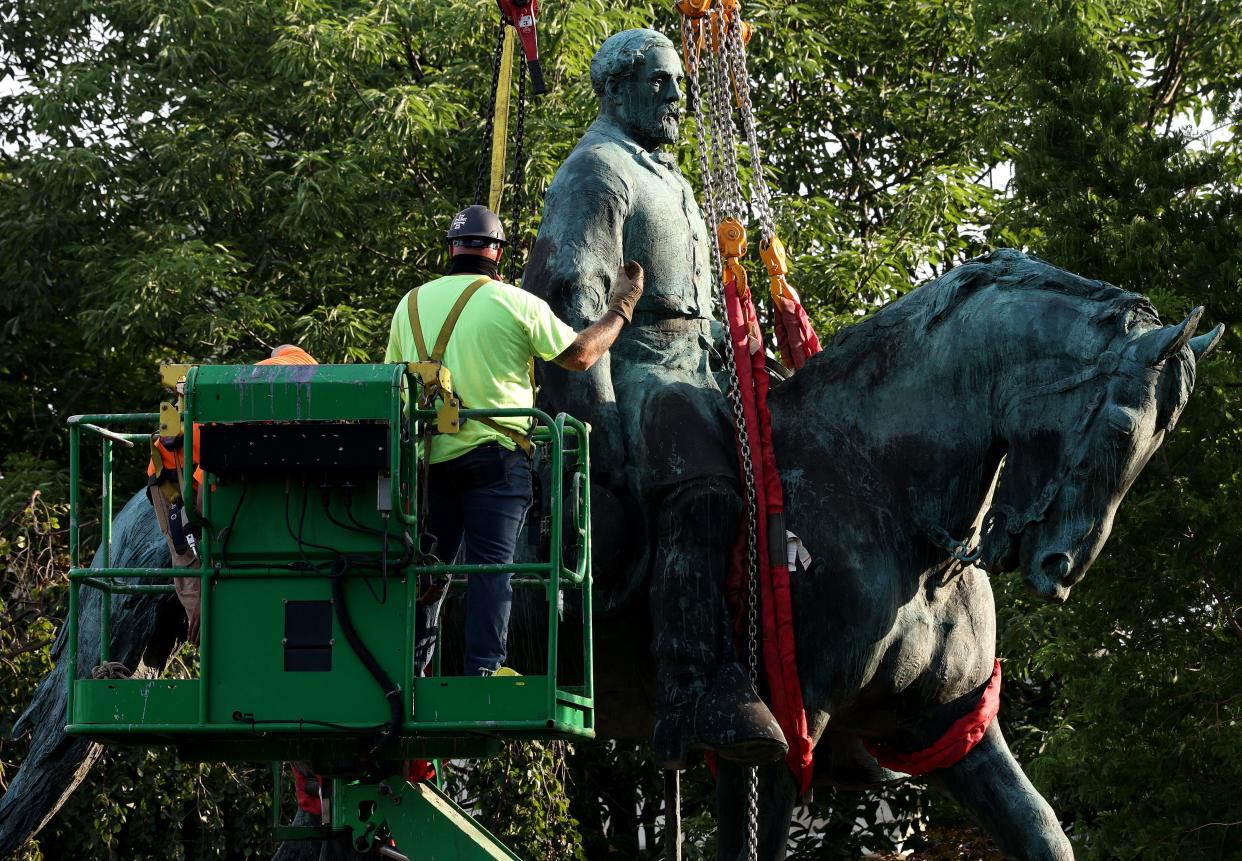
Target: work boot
(729,719)
(705,698)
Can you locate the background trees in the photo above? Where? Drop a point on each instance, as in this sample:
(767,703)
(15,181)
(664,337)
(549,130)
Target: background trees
(204,180)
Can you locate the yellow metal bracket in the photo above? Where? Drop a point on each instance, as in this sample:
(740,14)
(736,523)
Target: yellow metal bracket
(433,375)
(772,253)
(170,420)
(448,416)
(437,384)
(731,236)
(172,376)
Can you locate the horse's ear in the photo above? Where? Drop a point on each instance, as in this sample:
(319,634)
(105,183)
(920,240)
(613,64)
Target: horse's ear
(1203,345)
(1156,345)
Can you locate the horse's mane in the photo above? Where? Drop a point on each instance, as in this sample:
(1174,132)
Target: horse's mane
(919,311)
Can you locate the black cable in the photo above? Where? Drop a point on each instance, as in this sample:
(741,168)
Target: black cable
(359,526)
(302,526)
(392,692)
(303,543)
(228,530)
(307,563)
(326,498)
(408,557)
(248,719)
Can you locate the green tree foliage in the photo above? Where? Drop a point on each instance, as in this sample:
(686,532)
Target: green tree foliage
(522,797)
(206,180)
(1135,685)
(870,118)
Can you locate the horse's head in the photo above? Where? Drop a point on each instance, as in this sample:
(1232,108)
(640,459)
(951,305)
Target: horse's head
(1076,444)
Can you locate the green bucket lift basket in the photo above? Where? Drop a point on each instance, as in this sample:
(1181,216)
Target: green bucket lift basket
(309,502)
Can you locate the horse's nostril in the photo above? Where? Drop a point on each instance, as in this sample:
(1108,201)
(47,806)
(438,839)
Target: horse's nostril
(1056,566)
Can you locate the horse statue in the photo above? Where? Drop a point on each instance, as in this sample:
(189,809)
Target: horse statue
(890,444)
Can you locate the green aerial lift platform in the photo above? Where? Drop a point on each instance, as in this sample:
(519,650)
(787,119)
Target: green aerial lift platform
(309,578)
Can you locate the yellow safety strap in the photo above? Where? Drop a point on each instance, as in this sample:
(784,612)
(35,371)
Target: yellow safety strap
(437,354)
(450,322)
(500,121)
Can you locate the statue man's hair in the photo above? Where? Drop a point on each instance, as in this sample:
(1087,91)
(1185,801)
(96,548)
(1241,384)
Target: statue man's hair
(621,54)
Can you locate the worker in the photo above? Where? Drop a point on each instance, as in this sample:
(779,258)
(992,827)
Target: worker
(479,479)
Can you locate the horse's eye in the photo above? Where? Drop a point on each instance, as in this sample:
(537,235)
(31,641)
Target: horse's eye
(1122,419)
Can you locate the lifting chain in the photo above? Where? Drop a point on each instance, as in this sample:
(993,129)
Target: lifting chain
(727,77)
(736,52)
(717,156)
(518,180)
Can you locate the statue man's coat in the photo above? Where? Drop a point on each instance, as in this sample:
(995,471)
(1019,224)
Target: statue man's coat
(611,201)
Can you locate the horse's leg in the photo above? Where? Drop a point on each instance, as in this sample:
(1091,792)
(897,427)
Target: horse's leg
(777,794)
(993,789)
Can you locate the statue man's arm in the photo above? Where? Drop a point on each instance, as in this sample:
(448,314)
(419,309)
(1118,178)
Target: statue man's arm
(572,267)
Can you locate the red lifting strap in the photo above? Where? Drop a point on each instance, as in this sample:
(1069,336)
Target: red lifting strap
(777,630)
(795,338)
(966,732)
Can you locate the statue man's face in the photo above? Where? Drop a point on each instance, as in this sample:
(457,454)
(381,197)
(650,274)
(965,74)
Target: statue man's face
(648,102)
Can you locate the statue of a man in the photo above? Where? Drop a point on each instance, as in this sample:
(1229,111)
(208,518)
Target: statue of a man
(661,428)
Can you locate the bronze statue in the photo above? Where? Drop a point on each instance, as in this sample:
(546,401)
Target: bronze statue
(660,424)
(889,443)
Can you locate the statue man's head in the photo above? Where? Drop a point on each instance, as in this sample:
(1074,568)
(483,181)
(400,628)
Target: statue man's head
(637,76)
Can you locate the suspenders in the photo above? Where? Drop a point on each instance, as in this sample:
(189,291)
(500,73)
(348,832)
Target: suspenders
(437,381)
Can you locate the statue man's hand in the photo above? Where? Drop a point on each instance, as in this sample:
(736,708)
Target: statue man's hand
(626,291)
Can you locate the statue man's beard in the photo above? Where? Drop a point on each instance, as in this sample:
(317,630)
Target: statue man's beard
(666,129)
(652,125)
(658,129)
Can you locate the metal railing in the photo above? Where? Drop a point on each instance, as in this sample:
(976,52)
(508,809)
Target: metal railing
(563,437)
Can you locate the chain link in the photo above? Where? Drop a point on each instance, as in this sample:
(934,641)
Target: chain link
(762,197)
(724,143)
(519,173)
(716,146)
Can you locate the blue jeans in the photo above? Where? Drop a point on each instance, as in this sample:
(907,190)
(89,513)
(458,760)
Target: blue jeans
(476,506)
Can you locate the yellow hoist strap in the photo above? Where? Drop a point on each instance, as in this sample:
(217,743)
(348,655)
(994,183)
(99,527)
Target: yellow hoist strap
(446,332)
(500,121)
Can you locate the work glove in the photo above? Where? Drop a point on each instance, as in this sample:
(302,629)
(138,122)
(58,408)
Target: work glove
(627,289)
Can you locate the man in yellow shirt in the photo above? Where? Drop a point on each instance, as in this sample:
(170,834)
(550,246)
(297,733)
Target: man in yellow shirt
(480,477)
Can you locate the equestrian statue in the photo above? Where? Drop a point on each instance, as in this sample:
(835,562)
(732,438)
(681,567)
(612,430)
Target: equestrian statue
(989,421)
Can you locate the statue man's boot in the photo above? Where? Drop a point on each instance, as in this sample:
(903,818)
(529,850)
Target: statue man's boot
(707,701)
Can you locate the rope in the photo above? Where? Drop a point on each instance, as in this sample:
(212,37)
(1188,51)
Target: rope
(111,670)
(672,815)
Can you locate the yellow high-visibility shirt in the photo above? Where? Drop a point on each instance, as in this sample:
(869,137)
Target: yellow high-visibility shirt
(488,354)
